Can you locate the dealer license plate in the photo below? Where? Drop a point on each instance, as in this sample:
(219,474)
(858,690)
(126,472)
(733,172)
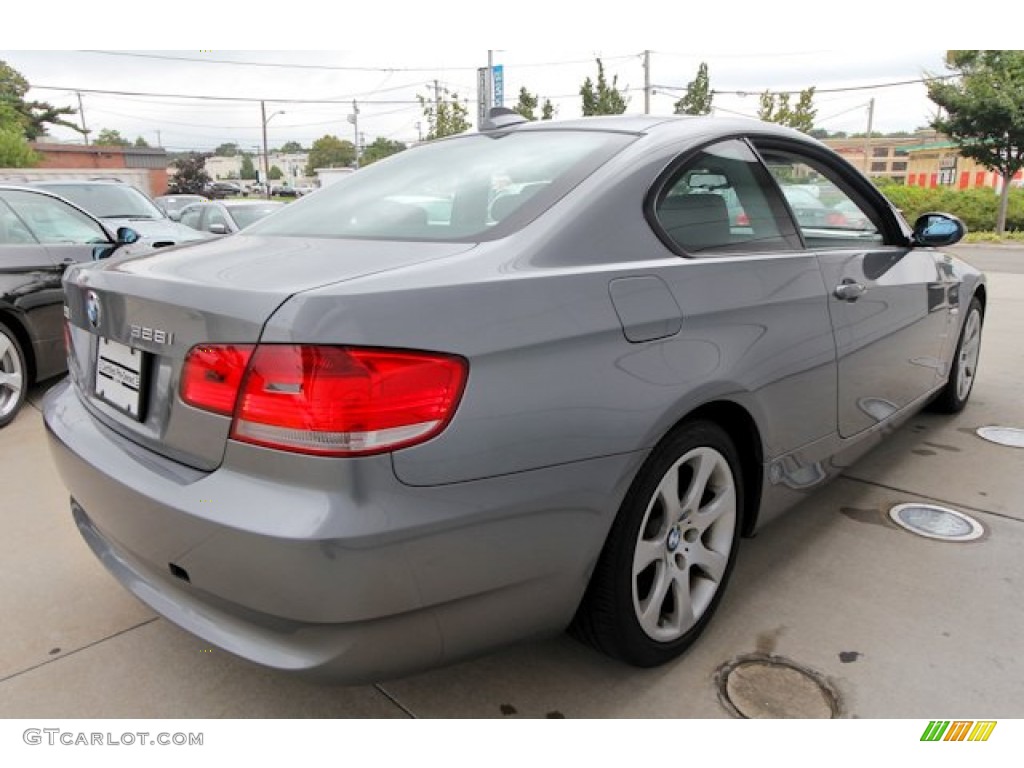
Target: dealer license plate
(119,376)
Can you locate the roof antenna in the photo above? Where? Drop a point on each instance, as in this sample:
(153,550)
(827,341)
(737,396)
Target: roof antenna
(501,117)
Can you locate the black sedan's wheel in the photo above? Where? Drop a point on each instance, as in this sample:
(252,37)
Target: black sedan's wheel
(957,391)
(12,376)
(670,551)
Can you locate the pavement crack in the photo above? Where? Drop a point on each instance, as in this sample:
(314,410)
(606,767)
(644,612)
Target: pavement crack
(972,507)
(393,700)
(76,650)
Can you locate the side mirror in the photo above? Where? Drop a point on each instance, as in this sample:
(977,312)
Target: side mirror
(937,230)
(218,228)
(174,215)
(127,236)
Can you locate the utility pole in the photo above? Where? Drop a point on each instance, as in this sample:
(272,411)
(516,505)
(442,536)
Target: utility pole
(437,99)
(159,141)
(647,82)
(355,128)
(867,137)
(81,114)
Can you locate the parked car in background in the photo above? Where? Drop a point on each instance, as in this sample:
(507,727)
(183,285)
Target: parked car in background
(217,190)
(283,190)
(40,236)
(371,433)
(122,205)
(172,204)
(226,218)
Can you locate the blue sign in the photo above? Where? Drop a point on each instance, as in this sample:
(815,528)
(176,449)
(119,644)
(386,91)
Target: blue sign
(499,85)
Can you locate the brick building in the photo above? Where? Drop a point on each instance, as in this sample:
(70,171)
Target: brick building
(78,156)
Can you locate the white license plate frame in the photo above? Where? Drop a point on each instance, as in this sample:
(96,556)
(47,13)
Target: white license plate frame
(120,377)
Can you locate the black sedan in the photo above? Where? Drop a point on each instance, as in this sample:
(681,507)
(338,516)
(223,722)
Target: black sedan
(40,236)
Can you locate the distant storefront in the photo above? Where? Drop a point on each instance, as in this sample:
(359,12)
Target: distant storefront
(940,164)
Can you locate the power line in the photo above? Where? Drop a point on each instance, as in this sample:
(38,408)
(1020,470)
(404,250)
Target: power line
(329,67)
(245,99)
(754,92)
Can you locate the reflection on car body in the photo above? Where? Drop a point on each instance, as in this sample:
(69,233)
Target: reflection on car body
(396,427)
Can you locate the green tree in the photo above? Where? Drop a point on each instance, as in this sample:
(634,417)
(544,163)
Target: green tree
(699,96)
(602,99)
(33,116)
(330,152)
(291,147)
(984,112)
(527,104)
(15,151)
(547,112)
(190,176)
(445,114)
(379,149)
(248,170)
(775,108)
(110,138)
(141,142)
(276,174)
(227,149)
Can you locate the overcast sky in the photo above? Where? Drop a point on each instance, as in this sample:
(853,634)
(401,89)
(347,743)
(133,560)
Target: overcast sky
(386,84)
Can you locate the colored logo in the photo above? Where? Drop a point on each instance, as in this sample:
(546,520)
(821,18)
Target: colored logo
(92,309)
(958,730)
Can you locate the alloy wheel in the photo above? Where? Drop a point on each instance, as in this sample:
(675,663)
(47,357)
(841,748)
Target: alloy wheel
(684,543)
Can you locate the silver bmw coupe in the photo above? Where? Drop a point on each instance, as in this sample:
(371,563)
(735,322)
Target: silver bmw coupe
(542,376)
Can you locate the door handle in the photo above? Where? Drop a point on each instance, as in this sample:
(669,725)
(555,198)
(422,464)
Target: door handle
(849,290)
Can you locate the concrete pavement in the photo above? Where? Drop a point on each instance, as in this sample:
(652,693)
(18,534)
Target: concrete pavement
(900,625)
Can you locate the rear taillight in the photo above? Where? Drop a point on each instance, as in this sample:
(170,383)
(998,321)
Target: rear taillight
(212,376)
(333,401)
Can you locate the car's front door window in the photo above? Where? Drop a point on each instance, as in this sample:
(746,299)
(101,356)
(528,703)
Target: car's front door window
(828,217)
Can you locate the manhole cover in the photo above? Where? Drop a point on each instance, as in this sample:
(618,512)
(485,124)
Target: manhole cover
(935,522)
(1010,436)
(774,687)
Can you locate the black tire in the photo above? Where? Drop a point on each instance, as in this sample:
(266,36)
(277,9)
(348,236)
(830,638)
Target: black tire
(622,613)
(13,376)
(954,396)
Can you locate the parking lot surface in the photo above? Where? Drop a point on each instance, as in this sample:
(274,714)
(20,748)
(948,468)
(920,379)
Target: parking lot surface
(897,625)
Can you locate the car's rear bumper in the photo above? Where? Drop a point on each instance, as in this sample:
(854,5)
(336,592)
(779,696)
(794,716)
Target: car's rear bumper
(344,573)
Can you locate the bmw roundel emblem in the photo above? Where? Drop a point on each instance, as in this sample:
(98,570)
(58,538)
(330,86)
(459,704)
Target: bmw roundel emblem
(674,537)
(92,309)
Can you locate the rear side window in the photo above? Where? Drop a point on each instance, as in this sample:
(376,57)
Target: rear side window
(466,189)
(719,201)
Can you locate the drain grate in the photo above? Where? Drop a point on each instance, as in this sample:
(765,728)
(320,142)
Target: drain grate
(1009,436)
(765,687)
(935,522)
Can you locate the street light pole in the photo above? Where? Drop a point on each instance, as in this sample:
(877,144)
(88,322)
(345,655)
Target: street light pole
(266,154)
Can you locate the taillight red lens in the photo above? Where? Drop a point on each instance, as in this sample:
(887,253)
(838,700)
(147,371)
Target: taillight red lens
(332,401)
(742,220)
(212,375)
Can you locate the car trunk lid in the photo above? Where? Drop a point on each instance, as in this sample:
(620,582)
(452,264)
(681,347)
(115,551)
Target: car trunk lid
(133,320)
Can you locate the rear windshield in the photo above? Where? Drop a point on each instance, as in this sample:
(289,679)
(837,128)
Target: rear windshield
(466,189)
(244,215)
(107,201)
